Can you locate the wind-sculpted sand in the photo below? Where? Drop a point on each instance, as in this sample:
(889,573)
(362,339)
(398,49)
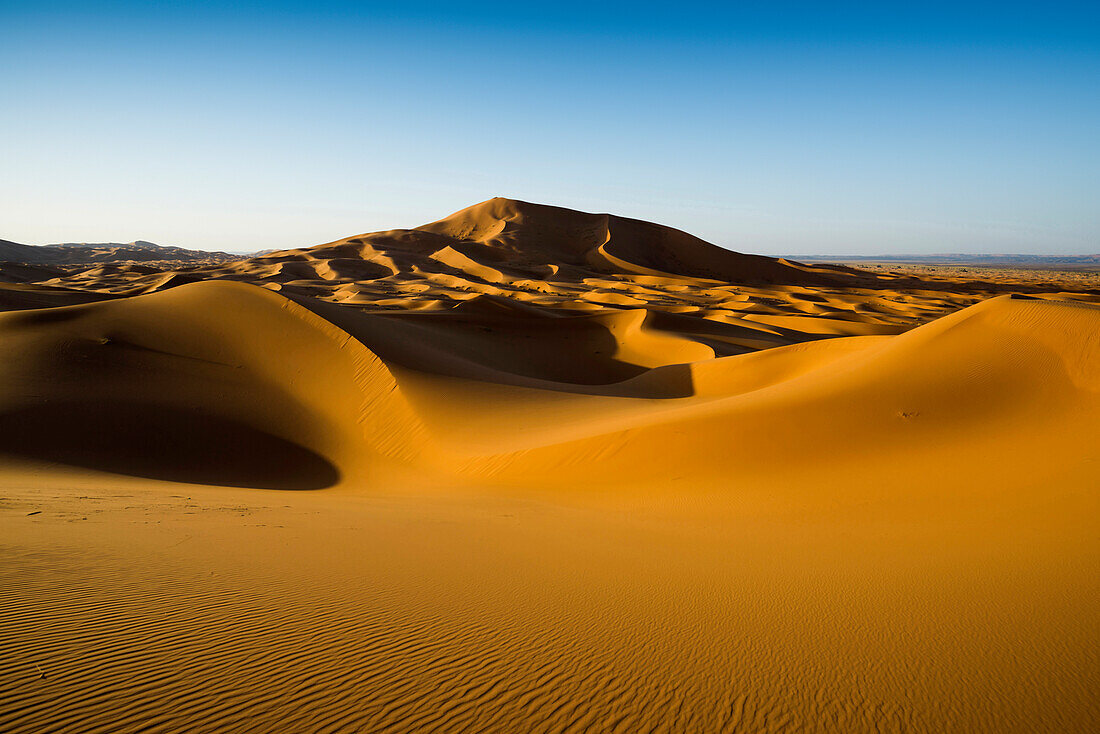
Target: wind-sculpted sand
(562,472)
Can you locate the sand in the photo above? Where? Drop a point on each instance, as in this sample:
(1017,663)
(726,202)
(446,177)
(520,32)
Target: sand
(529,469)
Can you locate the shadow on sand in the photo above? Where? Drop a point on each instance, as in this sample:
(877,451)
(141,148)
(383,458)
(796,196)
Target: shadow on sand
(162,443)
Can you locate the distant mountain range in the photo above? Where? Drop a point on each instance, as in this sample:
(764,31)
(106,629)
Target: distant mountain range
(74,253)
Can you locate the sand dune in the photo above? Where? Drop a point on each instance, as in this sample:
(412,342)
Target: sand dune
(603,398)
(571,472)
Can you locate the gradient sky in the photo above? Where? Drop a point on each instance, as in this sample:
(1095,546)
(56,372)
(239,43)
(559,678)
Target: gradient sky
(770,127)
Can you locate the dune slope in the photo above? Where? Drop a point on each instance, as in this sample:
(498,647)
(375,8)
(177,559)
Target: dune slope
(491,396)
(214,383)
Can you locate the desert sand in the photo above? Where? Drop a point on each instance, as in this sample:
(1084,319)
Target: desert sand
(531,469)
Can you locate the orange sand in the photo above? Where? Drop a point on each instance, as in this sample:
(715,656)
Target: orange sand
(567,472)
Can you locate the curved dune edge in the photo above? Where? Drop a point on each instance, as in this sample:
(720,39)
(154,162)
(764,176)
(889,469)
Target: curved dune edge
(1001,394)
(222,357)
(506,397)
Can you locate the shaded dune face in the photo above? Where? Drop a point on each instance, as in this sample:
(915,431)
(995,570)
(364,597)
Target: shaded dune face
(176,390)
(492,341)
(163,443)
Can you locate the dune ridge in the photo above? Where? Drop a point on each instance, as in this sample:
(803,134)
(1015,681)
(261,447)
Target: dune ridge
(616,392)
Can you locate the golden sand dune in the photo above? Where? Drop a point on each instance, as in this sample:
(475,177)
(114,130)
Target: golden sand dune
(579,473)
(489,393)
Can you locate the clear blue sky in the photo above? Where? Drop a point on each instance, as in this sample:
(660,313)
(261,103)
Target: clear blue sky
(771,127)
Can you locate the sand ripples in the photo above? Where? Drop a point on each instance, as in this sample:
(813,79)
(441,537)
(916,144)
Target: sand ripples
(496,637)
(167,649)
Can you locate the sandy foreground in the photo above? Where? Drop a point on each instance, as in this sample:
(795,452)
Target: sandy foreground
(527,469)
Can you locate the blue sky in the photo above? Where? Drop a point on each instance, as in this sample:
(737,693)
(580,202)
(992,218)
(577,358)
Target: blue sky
(776,128)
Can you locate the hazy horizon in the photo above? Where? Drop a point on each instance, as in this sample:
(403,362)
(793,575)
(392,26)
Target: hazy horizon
(791,254)
(768,128)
